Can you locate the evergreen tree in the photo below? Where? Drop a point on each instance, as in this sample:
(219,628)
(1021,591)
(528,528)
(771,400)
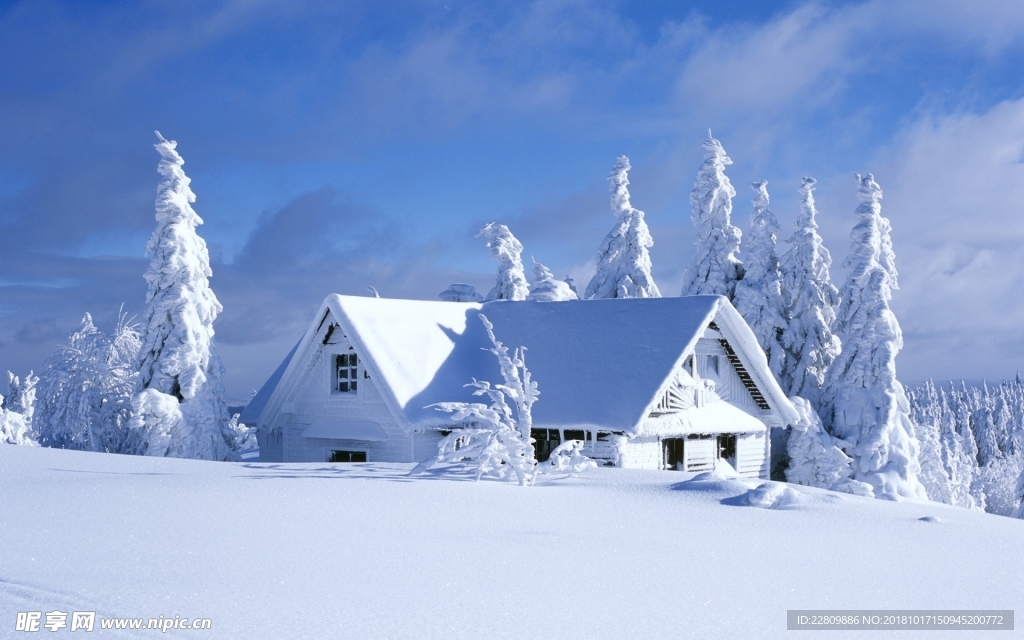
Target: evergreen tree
(810,300)
(815,459)
(759,294)
(85,390)
(547,289)
(714,268)
(178,358)
(623,260)
(511,279)
(927,417)
(863,402)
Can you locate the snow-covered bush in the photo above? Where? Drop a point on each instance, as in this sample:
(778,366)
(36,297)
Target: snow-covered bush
(17,410)
(21,396)
(758,295)
(178,357)
(624,260)
(862,401)
(14,428)
(714,268)
(495,442)
(815,459)
(460,292)
(810,300)
(772,495)
(547,289)
(511,279)
(568,458)
(85,390)
(156,425)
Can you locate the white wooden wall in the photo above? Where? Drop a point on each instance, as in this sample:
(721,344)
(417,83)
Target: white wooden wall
(700,455)
(751,460)
(313,399)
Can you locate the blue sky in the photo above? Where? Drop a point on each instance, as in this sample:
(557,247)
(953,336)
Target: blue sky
(334,146)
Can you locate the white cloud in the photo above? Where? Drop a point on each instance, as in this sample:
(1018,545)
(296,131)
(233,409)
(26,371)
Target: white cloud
(954,191)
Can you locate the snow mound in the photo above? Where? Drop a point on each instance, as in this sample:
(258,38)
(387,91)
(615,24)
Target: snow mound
(772,495)
(855,487)
(932,519)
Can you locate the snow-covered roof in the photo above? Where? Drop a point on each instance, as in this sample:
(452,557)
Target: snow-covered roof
(251,413)
(598,363)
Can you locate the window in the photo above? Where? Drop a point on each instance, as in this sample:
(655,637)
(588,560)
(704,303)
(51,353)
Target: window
(346,372)
(673,450)
(545,441)
(713,365)
(346,456)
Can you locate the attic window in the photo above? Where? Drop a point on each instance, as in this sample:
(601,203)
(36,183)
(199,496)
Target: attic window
(346,372)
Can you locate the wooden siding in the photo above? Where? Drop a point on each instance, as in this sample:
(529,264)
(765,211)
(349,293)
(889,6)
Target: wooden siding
(312,399)
(700,454)
(751,461)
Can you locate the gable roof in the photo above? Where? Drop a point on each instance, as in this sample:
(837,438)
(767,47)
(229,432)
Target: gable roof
(598,363)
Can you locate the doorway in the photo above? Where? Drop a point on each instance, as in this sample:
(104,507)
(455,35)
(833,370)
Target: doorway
(673,451)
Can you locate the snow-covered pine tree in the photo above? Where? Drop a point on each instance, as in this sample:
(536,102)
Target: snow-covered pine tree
(984,427)
(511,279)
(714,268)
(862,401)
(758,295)
(494,442)
(178,357)
(962,407)
(810,302)
(925,412)
(815,459)
(547,289)
(85,390)
(623,260)
(959,458)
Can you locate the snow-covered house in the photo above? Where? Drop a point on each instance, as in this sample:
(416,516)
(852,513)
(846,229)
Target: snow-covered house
(653,383)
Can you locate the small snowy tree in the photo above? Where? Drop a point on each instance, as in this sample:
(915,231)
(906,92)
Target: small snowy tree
(85,390)
(810,300)
(14,428)
(511,280)
(546,288)
(17,410)
(178,357)
(815,459)
(623,260)
(714,268)
(569,458)
(21,396)
(495,442)
(863,402)
(758,295)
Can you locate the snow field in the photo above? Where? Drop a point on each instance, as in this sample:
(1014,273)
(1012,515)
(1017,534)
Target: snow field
(366,551)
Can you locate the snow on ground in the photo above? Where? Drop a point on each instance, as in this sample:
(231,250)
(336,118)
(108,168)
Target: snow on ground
(365,551)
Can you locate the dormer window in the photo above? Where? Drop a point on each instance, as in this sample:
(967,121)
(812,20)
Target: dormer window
(346,372)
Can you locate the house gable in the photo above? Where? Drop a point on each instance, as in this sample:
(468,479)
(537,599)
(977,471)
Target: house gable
(724,365)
